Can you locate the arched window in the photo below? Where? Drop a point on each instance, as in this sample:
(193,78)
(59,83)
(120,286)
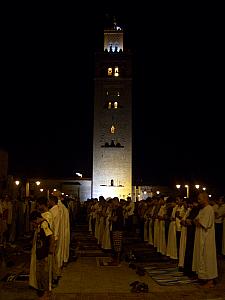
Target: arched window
(116,71)
(109,71)
(115,104)
(113,129)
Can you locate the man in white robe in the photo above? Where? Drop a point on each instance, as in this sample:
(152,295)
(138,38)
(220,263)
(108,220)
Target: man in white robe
(64,233)
(56,223)
(204,256)
(42,249)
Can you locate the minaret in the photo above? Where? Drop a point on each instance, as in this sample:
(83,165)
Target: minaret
(112,136)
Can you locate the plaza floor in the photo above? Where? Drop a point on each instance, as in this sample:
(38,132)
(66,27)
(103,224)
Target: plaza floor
(86,279)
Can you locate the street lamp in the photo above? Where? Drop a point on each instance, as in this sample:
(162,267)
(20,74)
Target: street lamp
(38,183)
(187,187)
(17,182)
(197,186)
(178,186)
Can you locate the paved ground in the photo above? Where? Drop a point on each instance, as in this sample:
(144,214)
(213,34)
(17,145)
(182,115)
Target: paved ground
(85,279)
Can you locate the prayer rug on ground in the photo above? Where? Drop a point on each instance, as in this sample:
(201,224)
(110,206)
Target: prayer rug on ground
(91,253)
(10,277)
(168,276)
(15,281)
(104,262)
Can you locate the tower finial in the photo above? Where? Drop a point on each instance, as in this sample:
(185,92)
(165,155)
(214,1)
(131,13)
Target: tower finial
(114,22)
(115,26)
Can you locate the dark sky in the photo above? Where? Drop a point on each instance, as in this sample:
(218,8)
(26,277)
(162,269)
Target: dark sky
(178,91)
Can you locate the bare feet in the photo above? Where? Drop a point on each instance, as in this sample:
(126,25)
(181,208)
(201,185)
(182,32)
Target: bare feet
(209,284)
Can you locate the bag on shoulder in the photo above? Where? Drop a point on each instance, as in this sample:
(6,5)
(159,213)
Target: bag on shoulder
(42,244)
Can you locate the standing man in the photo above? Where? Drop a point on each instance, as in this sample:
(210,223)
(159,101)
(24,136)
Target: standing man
(64,231)
(117,220)
(56,223)
(42,248)
(204,256)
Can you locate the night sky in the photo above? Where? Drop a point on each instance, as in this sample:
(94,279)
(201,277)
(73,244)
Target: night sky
(178,91)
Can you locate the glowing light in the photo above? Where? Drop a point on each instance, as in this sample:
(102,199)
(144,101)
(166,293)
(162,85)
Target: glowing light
(197,186)
(109,105)
(186,185)
(178,186)
(210,196)
(79,174)
(115,104)
(204,188)
(41,190)
(157,192)
(109,71)
(62,194)
(113,129)
(116,72)
(145,192)
(17,182)
(38,182)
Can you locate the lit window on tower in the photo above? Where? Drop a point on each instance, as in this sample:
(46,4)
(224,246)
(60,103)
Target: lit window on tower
(109,71)
(109,105)
(113,129)
(116,72)
(115,104)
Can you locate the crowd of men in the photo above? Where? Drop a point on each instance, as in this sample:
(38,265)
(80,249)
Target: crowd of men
(49,223)
(189,231)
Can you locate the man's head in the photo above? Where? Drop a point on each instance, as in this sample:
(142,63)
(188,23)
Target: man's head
(42,205)
(203,199)
(35,218)
(53,200)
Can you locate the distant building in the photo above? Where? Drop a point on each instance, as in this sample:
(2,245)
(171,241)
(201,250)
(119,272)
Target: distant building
(73,188)
(112,136)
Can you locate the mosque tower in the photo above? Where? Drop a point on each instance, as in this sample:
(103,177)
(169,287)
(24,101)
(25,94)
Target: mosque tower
(112,136)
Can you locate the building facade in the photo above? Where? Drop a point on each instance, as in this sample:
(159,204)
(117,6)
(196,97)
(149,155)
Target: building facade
(112,136)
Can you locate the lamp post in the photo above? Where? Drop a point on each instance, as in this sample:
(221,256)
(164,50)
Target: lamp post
(187,187)
(27,191)
(178,187)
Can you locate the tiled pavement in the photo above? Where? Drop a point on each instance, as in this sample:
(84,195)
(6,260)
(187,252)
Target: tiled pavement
(85,279)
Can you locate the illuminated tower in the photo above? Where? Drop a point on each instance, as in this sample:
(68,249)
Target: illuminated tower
(112,136)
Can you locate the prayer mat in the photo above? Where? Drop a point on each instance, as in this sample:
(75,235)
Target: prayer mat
(168,276)
(103,262)
(11,277)
(92,253)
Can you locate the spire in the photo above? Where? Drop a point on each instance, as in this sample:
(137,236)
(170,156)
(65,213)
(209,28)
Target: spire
(111,23)
(115,26)
(114,22)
